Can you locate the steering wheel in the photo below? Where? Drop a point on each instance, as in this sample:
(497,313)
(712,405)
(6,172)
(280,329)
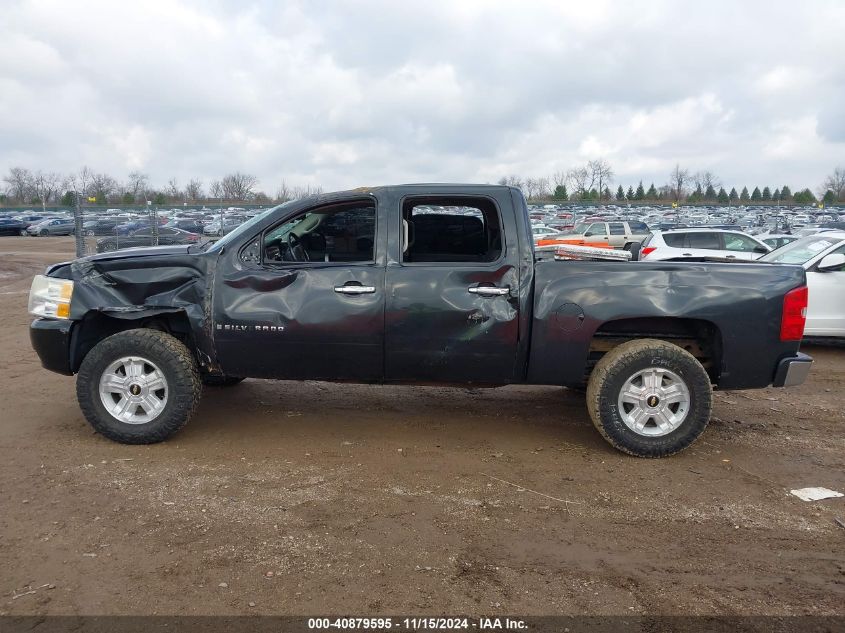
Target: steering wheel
(297,251)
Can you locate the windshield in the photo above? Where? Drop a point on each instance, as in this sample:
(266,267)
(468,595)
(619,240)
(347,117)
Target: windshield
(801,251)
(244,227)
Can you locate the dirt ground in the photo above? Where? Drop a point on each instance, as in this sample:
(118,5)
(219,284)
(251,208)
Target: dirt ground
(312,498)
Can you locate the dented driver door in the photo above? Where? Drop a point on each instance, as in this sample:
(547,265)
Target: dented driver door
(312,305)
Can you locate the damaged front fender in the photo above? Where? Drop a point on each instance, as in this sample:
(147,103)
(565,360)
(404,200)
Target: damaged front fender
(140,284)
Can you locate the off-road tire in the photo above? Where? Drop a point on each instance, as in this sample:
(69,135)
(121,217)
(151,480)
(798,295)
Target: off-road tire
(622,362)
(220,381)
(173,359)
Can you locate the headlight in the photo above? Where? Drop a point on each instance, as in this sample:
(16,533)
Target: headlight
(50,297)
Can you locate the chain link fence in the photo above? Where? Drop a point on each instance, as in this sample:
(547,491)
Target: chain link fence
(101,233)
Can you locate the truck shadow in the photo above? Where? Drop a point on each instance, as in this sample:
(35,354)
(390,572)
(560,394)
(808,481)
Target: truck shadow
(326,412)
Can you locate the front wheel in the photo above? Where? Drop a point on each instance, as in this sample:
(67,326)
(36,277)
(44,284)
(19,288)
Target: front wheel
(649,398)
(138,386)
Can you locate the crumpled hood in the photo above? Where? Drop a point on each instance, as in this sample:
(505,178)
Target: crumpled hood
(140,251)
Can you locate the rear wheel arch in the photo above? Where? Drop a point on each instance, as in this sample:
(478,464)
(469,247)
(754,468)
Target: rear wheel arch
(699,337)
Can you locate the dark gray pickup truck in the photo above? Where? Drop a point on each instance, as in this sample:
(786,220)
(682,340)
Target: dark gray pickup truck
(414,284)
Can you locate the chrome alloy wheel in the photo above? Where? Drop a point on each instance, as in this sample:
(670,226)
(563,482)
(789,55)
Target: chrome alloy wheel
(654,402)
(133,390)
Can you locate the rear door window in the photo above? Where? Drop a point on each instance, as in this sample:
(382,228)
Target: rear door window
(707,241)
(617,228)
(675,240)
(461,229)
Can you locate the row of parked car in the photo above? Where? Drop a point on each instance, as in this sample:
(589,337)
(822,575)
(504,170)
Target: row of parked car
(125,229)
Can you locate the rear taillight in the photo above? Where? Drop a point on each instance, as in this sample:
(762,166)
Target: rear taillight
(645,251)
(794,314)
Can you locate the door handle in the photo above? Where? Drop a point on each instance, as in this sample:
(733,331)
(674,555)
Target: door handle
(687,254)
(355,290)
(489,291)
(730,256)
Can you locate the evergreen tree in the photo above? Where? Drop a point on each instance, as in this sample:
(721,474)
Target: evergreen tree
(159,198)
(722,196)
(776,195)
(630,193)
(640,195)
(606,193)
(593,195)
(68,199)
(710,193)
(744,195)
(697,195)
(128,198)
(756,195)
(651,194)
(561,193)
(620,193)
(804,197)
(767,194)
(829,197)
(733,195)
(785,193)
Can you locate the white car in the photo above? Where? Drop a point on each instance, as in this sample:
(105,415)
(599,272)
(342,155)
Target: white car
(680,244)
(823,257)
(542,232)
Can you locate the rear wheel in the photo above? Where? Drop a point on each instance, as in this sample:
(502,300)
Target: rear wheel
(138,387)
(44,233)
(649,398)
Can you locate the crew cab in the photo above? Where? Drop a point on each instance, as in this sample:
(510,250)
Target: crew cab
(414,284)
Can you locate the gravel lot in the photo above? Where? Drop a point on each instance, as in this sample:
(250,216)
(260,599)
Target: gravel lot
(313,498)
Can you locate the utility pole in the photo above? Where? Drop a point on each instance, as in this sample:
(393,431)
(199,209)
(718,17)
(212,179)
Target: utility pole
(79,238)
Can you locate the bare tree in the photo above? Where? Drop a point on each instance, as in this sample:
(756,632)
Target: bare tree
(102,186)
(560,178)
(216,189)
(284,193)
(512,181)
(193,190)
(80,182)
(19,184)
(706,179)
(299,193)
(238,186)
(601,174)
(678,180)
(580,177)
(835,182)
(530,188)
(45,186)
(137,185)
(544,189)
(172,189)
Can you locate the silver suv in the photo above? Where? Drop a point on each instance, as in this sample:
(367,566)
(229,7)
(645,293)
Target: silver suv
(682,244)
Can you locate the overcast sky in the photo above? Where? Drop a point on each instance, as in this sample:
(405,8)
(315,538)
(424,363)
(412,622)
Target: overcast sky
(345,94)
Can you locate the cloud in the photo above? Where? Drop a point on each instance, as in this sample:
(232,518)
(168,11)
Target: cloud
(368,92)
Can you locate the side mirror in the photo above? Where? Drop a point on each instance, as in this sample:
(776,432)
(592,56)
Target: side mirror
(761,250)
(588,234)
(832,262)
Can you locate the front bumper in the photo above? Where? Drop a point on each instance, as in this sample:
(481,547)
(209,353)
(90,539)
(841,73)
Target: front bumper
(50,339)
(793,371)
